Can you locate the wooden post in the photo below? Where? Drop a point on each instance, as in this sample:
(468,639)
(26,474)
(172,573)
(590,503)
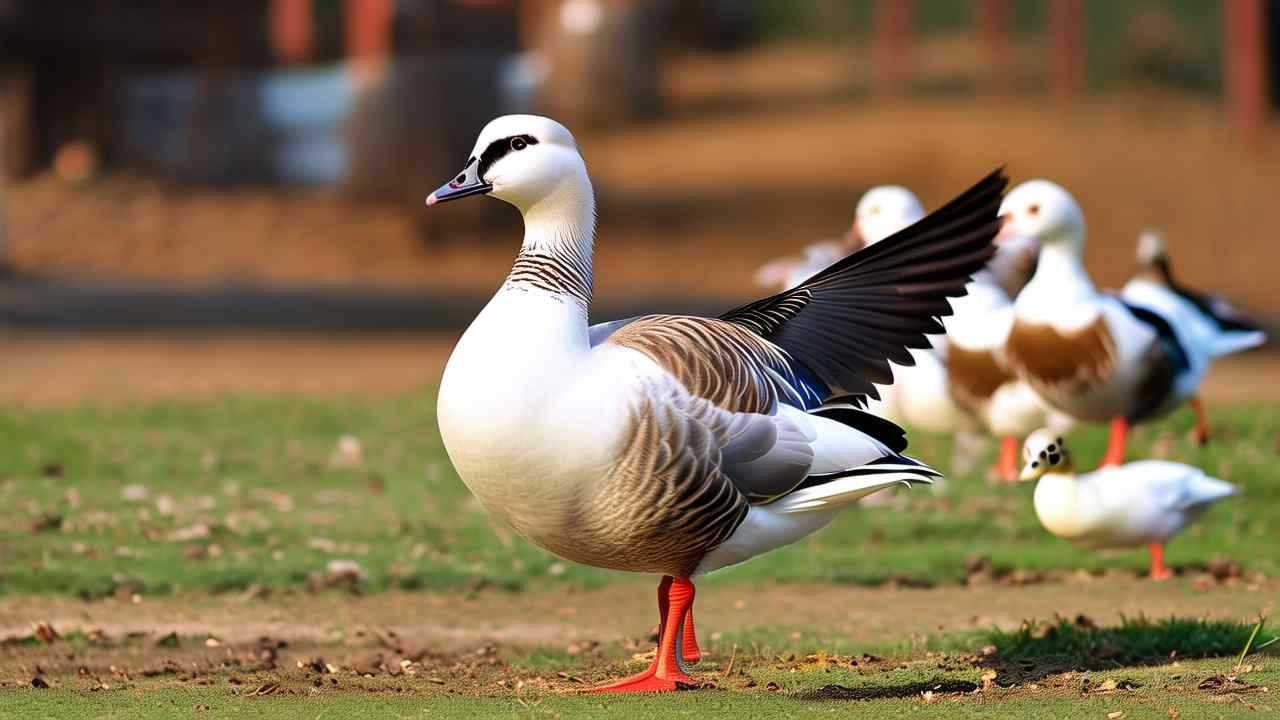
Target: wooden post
(368,38)
(1066,39)
(891,46)
(1244,27)
(994,21)
(291,29)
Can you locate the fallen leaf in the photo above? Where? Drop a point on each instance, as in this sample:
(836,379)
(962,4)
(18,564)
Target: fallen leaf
(1115,715)
(46,633)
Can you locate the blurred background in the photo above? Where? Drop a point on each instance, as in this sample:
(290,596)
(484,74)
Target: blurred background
(249,167)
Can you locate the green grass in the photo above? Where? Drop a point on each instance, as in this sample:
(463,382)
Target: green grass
(241,491)
(1134,642)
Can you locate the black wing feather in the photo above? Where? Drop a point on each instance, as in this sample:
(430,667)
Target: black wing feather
(845,324)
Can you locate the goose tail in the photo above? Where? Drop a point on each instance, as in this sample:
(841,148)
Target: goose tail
(827,491)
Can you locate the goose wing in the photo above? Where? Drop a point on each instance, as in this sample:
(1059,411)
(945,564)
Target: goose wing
(842,327)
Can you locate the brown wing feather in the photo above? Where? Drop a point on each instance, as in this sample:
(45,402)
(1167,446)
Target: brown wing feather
(975,375)
(1047,358)
(721,362)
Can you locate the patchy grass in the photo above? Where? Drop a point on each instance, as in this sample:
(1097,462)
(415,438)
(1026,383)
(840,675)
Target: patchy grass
(222,496)
(1083,645)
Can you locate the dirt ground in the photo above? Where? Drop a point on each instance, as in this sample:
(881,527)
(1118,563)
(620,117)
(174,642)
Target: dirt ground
(58,370)
(145,635)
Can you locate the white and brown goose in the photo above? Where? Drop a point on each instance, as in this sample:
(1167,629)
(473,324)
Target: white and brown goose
(1090,354)
(979,377)
(671,444)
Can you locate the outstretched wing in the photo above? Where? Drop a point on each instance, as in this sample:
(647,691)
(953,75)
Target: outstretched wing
(843,326)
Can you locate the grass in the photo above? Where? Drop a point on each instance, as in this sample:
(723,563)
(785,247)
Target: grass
(1134,642)
(220,496)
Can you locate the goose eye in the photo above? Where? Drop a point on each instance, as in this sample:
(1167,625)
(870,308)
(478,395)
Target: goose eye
(1033,209)
(518,144)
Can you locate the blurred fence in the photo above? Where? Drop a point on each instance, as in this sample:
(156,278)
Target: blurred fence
(322,91)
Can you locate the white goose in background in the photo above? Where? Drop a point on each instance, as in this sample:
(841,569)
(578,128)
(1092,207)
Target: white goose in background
(1137,503)
(978,377)
(670,444)
(1212,322)
(881,211)
(1092,355)
(918,395)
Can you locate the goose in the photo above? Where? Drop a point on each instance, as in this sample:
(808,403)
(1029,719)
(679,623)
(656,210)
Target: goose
(881,211)
(1137,503)
(1214,324)
(672,444)
(979,379)
(1089,354)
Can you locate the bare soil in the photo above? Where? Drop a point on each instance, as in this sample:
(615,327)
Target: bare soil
(463,642)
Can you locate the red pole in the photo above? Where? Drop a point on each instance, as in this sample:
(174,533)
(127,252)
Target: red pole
(994,20)
(1066,38)
(291,29)
(1244,27)
(369,35)
(891,45)
(369,28)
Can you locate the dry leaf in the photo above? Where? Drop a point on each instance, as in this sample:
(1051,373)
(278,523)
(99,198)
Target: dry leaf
(1115,715)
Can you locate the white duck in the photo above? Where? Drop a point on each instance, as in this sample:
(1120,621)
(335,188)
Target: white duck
(1214,326)
(673,444)
(1090,354)
(1138,503)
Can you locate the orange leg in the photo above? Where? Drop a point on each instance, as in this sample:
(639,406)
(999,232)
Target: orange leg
(675,600)
(1116,444)
(690,652)
(1202,420)
(1158,569)
(1007,466)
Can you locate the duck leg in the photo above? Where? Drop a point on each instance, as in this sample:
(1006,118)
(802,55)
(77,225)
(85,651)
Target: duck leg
(1117,443)
(667,672)
(1007,466)
(1158,569)
(690,652)
(1202,420)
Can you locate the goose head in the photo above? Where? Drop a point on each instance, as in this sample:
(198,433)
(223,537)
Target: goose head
(884,210)
(1043,211)
(1044,453)
(526,160)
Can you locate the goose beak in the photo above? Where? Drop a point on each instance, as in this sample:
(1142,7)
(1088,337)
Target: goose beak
(1028,473)
(467,183)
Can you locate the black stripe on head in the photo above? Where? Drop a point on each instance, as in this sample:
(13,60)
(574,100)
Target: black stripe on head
(498,149)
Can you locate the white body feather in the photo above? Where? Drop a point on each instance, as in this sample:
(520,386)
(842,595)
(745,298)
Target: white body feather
(1137,503)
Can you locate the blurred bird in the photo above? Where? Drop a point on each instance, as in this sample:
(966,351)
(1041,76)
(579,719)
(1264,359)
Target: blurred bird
(881,211)
(1092,355)
(1138,503)
(1212,323)
(979,377)
(676,444)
